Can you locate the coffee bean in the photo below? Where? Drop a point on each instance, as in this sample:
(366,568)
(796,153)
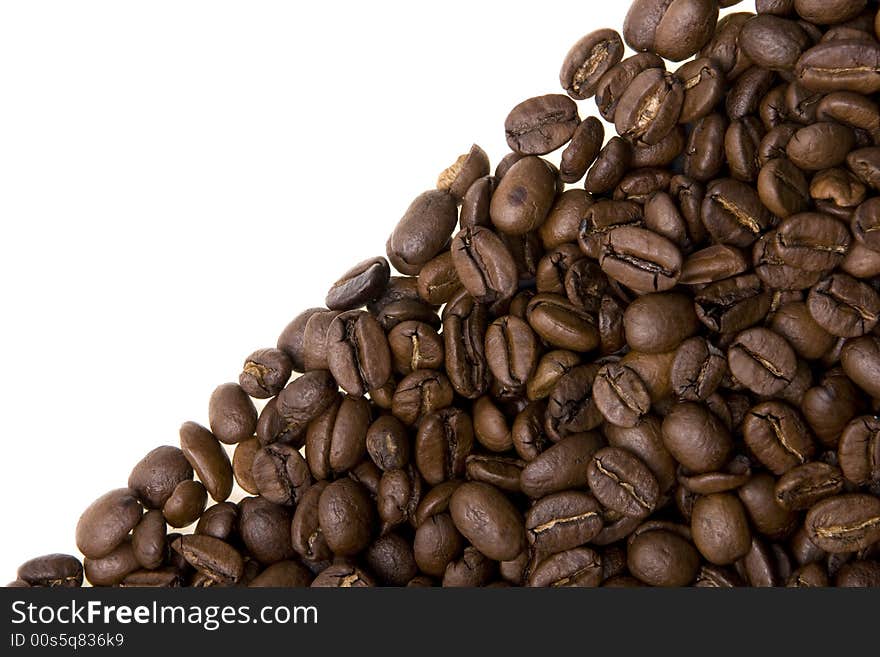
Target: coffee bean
(768,516)
(620,395)
(265,373)
(859,451)
(805,485)
(844,523)
(219,521)
(215,559)
(844,306)
(52,570)
(674,30)
(586,142)
(523,197)
(580,566)
(458,178)
(106,522)
(423,231)
(696,437)
(561,467)
(156,475)
(346,517)
(650,107)
(342,576)
(563,521)
(720,528)
(362,283)
(588,60)
(185,504)
(112,568)
(488,520)
(357,352)
(840,66)
(540,125)
(291,339)
(641,260)
(762,361)
(622,483)
(231,414)
(663,558)
(443,442)
(778,436)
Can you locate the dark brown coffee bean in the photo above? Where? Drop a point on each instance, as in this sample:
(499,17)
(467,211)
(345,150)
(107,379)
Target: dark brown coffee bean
(185,504)
(565,217)
(859,451)
(562,521)
(52,570)
(219,521)
(307,539)
(741,143)
(831,405)
(357,352)
(284,574)
(866,223)
(346,517)
(844,306)
(723,46)
(580,567)
(500,471)
(696,437)
(231,414)
(649,108)
(662,558)
(733,213)
(588,60)
(438,280)
(773,43)
(712,264)
(645,441)
(794,323)
(458,178)
(720,528)
(657,323)
(820,146)
(156,475)
(443,443)
(488,520)
(291,339)
(778,436)
(387,443)
(343,576)
(415,345)
(824,12)
(315,340)
(704,153)
(265,373)
(620,395)
(523,197)
(622,483)
(113,568)
(697,369)
(803,486)
(281,474)
(362,283)
(561,467)
(570,407)
(674,30)
(845,523)
(420,393)
(305,398)
(618,78)
(837,189)
(561,324)
(610,166)
(540,125)
(265,530)
(106,522)
(762,361)
(423,231)
(511,351)
(809,575)
(850,65)
(703,83)
(641,260)
(208,459)
(586,142)
(218,561)
(484,265)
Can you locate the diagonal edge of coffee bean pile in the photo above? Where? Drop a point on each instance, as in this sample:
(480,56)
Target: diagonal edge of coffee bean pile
(666,374)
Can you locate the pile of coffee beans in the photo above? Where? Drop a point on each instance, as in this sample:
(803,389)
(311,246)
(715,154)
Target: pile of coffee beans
(657,363)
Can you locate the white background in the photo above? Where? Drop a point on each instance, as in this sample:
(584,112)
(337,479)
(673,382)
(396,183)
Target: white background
(178,179)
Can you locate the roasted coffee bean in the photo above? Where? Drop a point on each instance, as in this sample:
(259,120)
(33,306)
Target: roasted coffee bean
(838,191)
(443,442)
(306,397)
(106,522)
(423,231)
(586,142)
(778,436)
(805,485)
(563,521)
(618,79)
(307,539)
(523,197)
(346,516)
(793,322)
(620,395)
(588,60)
(610,166)
(420,393)
(342,575)
(772,42)
(112,568)
(265,529)
(218,561)
(570,407)
(662,558)
(208,459)
(844,523)
(849,65)
(232,414)
(265,373)
(820,146)
(703,83)
(580,567)
(499,471)
(438,280)
(511,351)
(762,361)
(844,306)
(641,260)
(561,324)
(859,451)
(291,339)
(185,504)
(696,437)
(357,352)
(474,212)
(720,528)
(830,406)
(362,283)
(673,29)
(561,467)
(697,370)
(645,441)
(601,218)
(656,323)
(464,172)
(649,108)
(723,46)
(540,125)
(284,574)
(391,558)
(712,264)
(622,483)
(315,340)
(768,516)
(387,443)
(52,570)
(156,475)
(484,265)
(488,520)
(704,153)
(741,143)
(280,474)
(219,521)
(733,213)
(866,223)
